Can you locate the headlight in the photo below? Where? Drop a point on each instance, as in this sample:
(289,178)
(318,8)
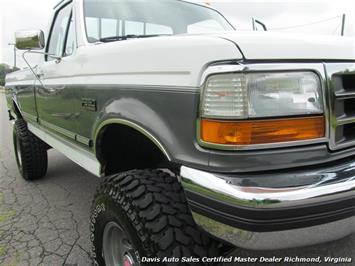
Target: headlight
(261,108)
(258,95)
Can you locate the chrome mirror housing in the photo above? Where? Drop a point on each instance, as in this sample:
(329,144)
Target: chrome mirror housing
(30,40)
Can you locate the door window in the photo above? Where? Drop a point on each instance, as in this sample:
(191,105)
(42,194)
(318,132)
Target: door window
(70,45)
(59,29)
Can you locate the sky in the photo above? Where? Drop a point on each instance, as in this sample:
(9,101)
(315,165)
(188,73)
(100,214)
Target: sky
(21,14)
(301,16)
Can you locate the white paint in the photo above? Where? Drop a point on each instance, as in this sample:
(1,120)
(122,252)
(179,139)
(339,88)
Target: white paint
(273,45)
(160,61)
(177,60)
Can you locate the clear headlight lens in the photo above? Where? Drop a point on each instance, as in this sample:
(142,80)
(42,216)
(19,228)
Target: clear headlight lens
(257,95)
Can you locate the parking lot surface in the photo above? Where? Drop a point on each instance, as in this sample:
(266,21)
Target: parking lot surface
(46,222)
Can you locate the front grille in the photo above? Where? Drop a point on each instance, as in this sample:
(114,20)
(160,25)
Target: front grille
(342,105)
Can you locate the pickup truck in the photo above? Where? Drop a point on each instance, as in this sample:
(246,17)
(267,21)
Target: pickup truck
(205,138)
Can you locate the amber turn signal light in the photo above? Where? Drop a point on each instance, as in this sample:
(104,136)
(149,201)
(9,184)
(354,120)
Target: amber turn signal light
(262,131)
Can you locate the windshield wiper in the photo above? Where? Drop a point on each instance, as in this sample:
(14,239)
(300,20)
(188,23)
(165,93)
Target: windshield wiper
(129,36)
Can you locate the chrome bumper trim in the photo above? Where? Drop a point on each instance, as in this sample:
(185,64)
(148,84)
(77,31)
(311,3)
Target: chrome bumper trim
(334,183)
(329,184)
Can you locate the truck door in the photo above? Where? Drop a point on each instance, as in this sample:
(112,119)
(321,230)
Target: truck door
(57,98)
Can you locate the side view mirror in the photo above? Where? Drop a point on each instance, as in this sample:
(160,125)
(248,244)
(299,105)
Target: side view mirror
(30,40)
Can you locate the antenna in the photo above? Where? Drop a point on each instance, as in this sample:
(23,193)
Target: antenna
(343,25)
(57,58)
(253,24)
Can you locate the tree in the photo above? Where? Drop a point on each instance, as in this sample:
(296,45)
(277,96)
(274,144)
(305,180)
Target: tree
(4,70)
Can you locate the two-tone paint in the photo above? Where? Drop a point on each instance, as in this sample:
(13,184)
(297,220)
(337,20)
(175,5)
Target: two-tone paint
(255,197)
(154,86)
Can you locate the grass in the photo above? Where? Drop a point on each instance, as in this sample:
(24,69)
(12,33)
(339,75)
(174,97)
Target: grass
(7,215)
(3,251)
(14,260)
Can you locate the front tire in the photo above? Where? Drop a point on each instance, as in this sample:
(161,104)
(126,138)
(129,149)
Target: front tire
(30,152)
(150,208)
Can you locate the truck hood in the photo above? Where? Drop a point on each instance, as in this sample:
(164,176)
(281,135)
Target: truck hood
(273,46)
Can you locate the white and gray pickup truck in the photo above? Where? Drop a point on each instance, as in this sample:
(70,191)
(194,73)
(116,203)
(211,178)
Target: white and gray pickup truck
(205,138)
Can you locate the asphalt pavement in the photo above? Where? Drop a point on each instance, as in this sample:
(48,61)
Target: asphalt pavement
(46,222)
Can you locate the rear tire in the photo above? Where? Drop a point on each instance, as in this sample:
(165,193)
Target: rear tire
(150,207)
(30,152)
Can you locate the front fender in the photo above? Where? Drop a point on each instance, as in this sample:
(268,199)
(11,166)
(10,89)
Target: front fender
(168,118)
(134,125)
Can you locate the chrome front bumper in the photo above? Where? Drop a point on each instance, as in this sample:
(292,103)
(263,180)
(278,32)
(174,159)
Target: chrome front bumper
(276,210)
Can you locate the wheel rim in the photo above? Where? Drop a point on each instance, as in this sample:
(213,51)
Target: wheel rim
(116,247)
(18,151)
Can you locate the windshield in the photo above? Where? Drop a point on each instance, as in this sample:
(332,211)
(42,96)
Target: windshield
(105,19)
